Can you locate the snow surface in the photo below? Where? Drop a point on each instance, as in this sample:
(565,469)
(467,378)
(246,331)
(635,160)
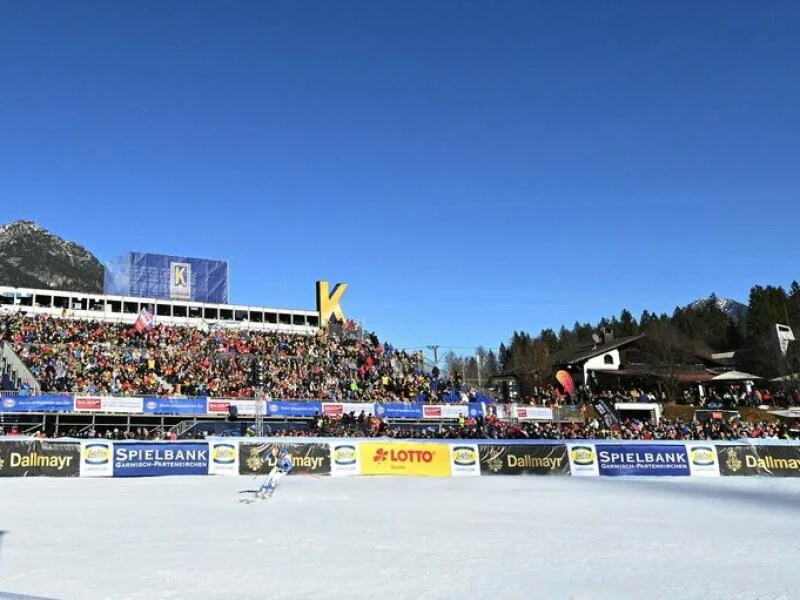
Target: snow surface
(489,537)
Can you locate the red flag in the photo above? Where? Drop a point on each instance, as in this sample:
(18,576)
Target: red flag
(145,322)
(565,379)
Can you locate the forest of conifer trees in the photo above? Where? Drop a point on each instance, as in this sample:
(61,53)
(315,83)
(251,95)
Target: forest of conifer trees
(703,327)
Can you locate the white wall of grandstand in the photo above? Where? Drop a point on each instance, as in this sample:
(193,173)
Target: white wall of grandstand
(121,309)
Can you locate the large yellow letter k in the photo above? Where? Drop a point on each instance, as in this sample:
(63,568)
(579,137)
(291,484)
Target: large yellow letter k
(329,304)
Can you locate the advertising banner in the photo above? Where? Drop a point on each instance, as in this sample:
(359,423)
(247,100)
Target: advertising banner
(533,413)
(582,460)
(113,404)
(176,406)
(501,411)
(34,458)
(475,409)
(703,461)
(307,458)
(770,461)
(244,408)
(88,403)
(649,460)
(281,408)
(148,459)
(399,411)
(161,276)
(523,459)
(97,458)
(605,410)
(344,458)
(36,404)
(464,460)
(444,411)
(223,457)
(404,458)
(337,409)
(109,404)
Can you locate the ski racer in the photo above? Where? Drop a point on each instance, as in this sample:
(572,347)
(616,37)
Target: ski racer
(283,466)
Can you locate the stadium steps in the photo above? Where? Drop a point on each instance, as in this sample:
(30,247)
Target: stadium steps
(14,369)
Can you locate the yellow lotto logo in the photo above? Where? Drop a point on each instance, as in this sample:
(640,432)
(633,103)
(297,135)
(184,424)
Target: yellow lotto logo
(224,454)
(344,455)
(703,456)
(583,455)
(396,458)
(464,456)
(96,454)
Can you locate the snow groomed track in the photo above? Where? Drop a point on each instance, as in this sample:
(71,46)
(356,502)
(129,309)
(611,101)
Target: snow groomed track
(381,537)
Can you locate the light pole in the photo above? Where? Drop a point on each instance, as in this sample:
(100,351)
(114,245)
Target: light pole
(258,393)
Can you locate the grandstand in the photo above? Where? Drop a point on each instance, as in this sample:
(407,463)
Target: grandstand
(202,357)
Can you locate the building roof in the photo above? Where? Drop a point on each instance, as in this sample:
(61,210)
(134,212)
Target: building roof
(584,352)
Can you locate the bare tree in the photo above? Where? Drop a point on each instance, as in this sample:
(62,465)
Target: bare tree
(666,350)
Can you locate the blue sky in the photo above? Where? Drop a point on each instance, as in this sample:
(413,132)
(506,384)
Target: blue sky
(470,168)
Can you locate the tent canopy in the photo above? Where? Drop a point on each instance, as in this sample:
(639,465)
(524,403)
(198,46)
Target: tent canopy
(735,376)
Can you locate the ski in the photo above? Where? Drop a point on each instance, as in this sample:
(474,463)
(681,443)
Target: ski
(255,495)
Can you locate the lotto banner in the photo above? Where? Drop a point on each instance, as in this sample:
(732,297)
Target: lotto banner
(97,458)
(464,460)
(223,457)
(344,458)
(766,460)
(307,458)
(404,458)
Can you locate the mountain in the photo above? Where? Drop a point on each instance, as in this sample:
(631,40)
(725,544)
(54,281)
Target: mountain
(734,309)
(31,256)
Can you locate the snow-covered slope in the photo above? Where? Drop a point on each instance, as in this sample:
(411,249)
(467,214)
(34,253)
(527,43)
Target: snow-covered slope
(548,538)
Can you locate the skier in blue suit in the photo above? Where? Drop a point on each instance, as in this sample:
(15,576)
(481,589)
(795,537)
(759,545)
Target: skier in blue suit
(283,466)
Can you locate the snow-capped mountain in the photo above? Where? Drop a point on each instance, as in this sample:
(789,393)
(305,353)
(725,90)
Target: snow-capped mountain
(31,256)
(734,309)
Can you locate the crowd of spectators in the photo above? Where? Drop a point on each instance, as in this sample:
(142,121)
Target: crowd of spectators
(488,429)
(87,357)
(629,429)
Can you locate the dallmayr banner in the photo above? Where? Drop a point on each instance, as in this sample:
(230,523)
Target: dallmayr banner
(34,458)
(145,459)
(770,461)
(309,458)
(496,459)
(650,460)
